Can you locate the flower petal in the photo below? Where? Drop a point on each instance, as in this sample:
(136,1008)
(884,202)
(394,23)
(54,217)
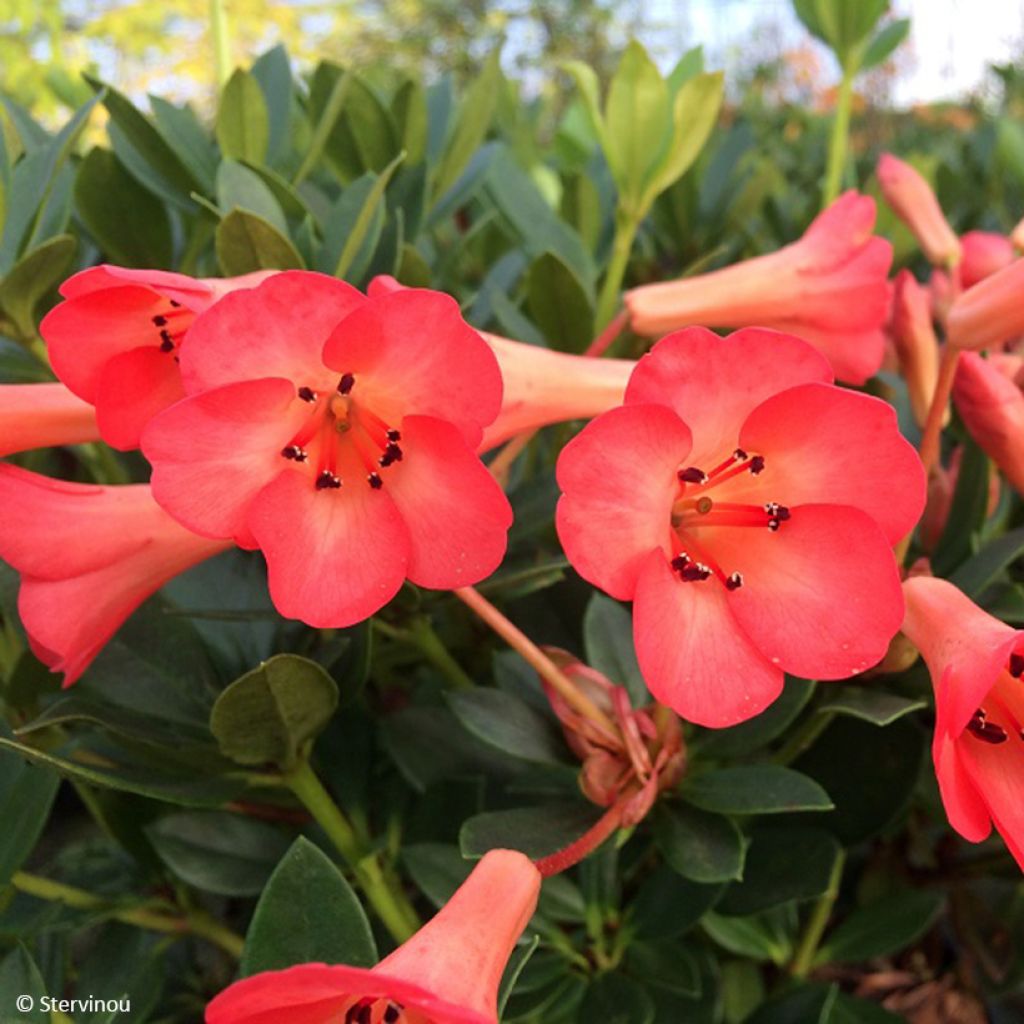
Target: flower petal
(997,773)
(965,807)
(855,355)
(191,293)
(821,596)
(618,478)
(334,557)
(134,387)
(412,353)
(456,514)
(693,655)
(213,452)
(826,445)
(275,330)
(714,383)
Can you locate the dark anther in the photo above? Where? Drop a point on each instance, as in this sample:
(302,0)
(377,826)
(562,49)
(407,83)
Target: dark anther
(680,562)
(694,572)
(692,475)
(307,394)
(365,1014)
(988,732)
(391,454)
(1016,665)
(166,342)
(734,582)
(294,452)
(756,464)
(979,714)
(782,514)
(327,481)
(375,481)
(176,305)
(394,435)
(739,455)
(773,525)
(346,382)
(391,1014)
(159,321)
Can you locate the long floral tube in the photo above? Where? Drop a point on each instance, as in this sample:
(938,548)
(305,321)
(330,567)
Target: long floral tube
(41,415)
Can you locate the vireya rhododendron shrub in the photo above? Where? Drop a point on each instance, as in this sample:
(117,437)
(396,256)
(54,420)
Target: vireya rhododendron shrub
(731,499)
(336,433)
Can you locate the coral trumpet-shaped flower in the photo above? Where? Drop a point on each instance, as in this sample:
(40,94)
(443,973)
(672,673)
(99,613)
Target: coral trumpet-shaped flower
(976,664)
(914,202)
(917,347)
(447,973)
(990,313)
(116,340)
(829,288)
(88,557)
(747,507)
(41,415)
(982,254)
(992,408)
(336,433)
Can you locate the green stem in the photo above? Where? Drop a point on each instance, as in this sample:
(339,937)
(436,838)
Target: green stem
(803,737)
(422,634)
(803,959)
(622,245)
(193,922)
(221,47)
(839,141)
(381,890)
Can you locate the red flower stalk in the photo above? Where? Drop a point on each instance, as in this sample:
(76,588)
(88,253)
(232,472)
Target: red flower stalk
(976,663)
(914,202)
(829,288)
(116,340)
(88,557)
(41,415)
(337,434)
(917,347)
(748,508)
(990,313)
(992,408)
(447,973)
(983,253)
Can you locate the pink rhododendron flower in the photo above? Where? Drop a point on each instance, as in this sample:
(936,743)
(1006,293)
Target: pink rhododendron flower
(336,433)
(116,339)
(917,347)
(982,254)
(829,288)
(41,415)
(976,663)
(991,406)
(990,313)
(447,973)
(88,557)
(747,507)
(914,202)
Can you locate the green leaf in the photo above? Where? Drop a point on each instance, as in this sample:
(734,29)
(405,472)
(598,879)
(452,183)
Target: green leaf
(636,123)
(759,731)
(687,67)
(188,138)
(150,146)
(307,913)
(409,108)
(536,831)
(667,905)
(471,126)
(700,846)
(246,242)
(521,956)
(885,43)
(438,869)
(33,276)
(694,114)
(842,24)
(508,724)
(883,928)
(271,713)
(967,512)
(614,999)
(243,125)
(590,93)
(761,937)
(128,222)
(325,117)
(870,704)
(783,863)
(559,304)
(19,976)
(273,72)
(667,965)
(608,642)
(27,792)
(984,568)
(238,187)
(218,852)
(756,789)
